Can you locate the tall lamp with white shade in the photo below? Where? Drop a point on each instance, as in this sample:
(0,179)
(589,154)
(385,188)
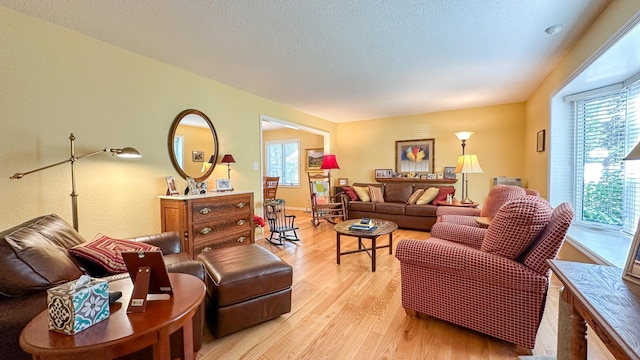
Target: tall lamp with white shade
(468,164)
(463,136)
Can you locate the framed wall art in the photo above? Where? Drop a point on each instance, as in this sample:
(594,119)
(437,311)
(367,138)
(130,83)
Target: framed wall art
(540,141)
(343,181)
(415,156)
(313,159)
(197,156)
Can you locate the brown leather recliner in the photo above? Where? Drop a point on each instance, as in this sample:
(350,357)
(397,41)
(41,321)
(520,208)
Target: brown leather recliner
(34,258)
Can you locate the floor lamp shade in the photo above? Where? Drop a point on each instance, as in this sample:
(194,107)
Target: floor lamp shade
(468,164)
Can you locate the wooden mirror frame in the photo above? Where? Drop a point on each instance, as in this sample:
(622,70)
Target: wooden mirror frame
(172,134)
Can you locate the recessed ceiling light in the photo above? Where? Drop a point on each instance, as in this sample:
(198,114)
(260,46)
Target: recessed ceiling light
(553,29)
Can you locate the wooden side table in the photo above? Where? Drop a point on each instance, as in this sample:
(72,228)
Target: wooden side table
(458,203)
(123,333)
(597,295)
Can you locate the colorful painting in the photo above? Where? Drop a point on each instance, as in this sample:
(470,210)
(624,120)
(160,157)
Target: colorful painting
(415,156)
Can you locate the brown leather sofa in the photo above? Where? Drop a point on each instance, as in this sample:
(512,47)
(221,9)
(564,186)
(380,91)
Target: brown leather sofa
(395,207)
(34,257)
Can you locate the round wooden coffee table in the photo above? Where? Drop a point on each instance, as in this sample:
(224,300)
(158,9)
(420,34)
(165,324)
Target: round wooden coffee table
(123,333)
(383,227)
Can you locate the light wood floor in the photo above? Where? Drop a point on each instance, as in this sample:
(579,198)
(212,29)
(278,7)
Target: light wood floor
(347,312)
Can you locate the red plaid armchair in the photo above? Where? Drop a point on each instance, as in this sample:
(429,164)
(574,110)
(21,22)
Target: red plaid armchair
(498,196)
(492,280)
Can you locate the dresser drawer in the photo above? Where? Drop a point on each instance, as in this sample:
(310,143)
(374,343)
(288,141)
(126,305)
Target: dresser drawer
(234,239)
(206,208)
(216,226)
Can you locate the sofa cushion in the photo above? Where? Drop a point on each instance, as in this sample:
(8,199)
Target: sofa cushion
(363,193)
(443,191)
(107,252)
(366,206)
(426,210)
(34,257)
(350,193)
(428,196)
(398,193)
(516,225)
(375,193)
(415,196)
(390,208)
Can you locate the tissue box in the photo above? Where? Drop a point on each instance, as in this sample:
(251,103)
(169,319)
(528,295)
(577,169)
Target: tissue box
(72,309)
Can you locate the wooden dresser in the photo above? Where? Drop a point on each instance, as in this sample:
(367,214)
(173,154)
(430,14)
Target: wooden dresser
(209,221)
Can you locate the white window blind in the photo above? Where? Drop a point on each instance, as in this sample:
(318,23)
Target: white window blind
(607,188)
(283,160)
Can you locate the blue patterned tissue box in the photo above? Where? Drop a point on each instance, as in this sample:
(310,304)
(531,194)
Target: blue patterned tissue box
(77,305)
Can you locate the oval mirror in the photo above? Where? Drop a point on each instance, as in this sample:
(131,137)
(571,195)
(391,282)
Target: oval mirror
(193,145)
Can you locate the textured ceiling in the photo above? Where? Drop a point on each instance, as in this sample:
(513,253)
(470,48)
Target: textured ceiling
(343,60)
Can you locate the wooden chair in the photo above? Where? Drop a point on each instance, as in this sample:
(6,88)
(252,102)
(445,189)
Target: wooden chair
(323,205)
(270,187)
(280,224)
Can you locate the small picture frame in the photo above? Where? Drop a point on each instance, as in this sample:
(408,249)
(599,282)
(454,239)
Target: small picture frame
(193,190)
(384,173)
(197,156)
(431,176)
(171,186)
(202,187)
(343,181)
(450,172)
(540,138)
(223,185)
(440,175)
(423,176)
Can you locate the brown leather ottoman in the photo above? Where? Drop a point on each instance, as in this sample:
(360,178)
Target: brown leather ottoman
(247,285)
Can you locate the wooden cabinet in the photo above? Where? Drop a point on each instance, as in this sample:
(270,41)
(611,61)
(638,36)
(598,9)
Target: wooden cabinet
(210,221)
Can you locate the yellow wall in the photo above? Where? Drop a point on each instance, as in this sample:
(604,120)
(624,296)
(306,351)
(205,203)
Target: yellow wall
(54,81)
(538,105)
(497,140)
(296,197)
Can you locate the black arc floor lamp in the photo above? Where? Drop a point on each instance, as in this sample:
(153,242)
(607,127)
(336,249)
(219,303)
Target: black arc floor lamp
(124,152)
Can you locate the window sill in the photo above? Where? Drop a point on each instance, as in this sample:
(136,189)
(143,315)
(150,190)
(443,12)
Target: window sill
(600,246)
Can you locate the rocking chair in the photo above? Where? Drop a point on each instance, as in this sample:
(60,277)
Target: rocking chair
(280,224)
(323,205)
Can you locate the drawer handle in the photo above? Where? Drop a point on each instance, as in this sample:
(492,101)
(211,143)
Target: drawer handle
(240,222)
(206,249)
(205,231)
(241,239)
(205,211)
(241,205)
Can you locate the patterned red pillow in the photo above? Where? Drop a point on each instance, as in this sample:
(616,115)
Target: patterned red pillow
(443,191)
(516,225)
(106,252)
(350,193)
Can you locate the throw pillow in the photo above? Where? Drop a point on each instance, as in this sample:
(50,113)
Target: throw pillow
(415,196)
(363,193)
(106,252)
(516,225)
(350,193)
(375,192)
(427,196)
(442,194)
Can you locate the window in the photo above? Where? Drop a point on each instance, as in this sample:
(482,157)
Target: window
(607,188)
(283,160)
